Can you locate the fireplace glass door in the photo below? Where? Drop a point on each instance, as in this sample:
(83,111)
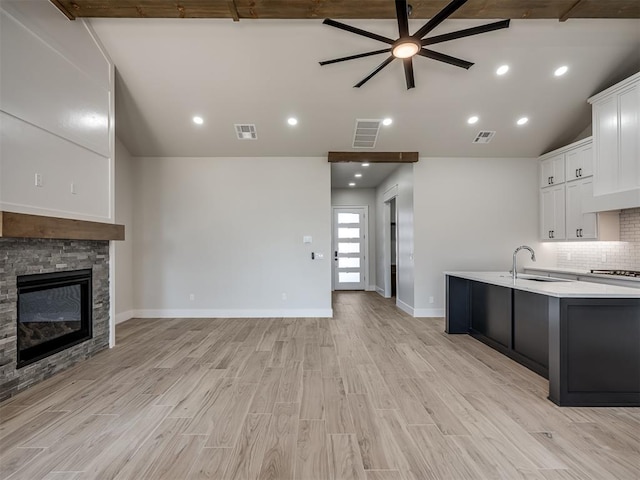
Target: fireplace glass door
(54,313)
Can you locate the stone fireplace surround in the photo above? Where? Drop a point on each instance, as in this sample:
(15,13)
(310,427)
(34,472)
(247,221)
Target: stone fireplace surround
(32,244)
(25,256)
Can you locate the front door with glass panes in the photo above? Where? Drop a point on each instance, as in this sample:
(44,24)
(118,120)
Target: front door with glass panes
(349,248)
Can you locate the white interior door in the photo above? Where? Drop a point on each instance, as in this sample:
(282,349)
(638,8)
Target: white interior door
(349,237)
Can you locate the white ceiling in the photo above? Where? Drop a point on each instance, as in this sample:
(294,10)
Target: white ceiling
(263,71)
(344,173)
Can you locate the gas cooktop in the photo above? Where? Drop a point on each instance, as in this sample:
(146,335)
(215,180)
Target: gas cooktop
(622,273)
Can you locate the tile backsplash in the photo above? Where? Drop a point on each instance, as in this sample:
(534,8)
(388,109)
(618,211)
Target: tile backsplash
(623,255)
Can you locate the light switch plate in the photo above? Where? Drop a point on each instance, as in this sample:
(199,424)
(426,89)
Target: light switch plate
(306,239)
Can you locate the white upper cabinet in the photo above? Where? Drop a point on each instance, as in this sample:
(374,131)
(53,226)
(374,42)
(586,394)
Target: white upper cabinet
(552,210)
(616,141)
(557,209)
(552,171)
(580,225)
(579,162)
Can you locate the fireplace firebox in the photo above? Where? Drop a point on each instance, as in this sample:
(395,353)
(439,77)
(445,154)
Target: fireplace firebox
(54,313)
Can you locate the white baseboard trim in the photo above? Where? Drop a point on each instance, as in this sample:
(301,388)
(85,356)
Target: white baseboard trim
(124,316)
(404,307)
(429,312)
(380,291)
(371,288)
(234,313)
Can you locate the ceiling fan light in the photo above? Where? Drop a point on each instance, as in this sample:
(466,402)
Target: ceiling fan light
(406,49)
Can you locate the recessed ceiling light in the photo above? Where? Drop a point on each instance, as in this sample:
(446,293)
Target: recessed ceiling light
(502,69)
(522,121)
(198,120)
(292,121)
(561,71)
(358,175)
(365,164)
(352,184)
(472,120)
(387,121)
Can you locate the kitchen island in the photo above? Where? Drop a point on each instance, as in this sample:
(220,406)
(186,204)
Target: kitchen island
(583,336)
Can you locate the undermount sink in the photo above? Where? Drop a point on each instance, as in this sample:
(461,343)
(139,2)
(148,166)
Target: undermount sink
(545,279)
(537,278)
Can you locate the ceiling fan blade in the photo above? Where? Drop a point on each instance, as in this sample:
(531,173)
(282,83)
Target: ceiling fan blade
(438,18)
(402,14)
(353,57)
(390,59)
(357,31)
(441,57)
(466,32)
(408,73)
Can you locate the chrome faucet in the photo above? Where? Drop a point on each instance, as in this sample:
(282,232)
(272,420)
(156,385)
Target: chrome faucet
(514,274)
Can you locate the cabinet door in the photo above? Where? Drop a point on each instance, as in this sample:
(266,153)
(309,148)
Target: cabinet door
(580,225)
(491,312)
(629,148)
(531,326)
(579,162)
(605,142)
(553,213)
(589,224)
(552,171)
(574,211)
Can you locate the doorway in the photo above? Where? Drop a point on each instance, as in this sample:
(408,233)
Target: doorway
(350,227)
(390,245)
(393,246)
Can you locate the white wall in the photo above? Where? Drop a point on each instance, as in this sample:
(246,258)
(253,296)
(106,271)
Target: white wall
(124,188)
(229,231)
(349,197)
(471,214)
(56,115)
(403,178)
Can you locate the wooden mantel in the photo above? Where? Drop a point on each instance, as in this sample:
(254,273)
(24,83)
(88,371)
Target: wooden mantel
(20,225)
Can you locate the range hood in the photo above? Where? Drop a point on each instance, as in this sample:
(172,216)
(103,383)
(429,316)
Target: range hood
(612,201)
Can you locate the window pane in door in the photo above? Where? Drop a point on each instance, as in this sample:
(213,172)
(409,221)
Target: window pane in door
(346,247)
(348,218)
(347,262)
(349,277)
(348,232)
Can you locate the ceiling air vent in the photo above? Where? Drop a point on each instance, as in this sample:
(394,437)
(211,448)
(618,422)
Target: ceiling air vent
(366,133)
(246,131)
(484,136)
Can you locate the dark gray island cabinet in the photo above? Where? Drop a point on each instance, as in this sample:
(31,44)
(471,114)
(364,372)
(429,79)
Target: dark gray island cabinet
(583,337)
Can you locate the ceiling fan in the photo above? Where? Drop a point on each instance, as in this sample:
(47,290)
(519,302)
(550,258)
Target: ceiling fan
(406,46)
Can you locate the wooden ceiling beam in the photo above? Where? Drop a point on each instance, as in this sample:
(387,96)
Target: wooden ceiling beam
(63,9)
(233,9)
(373,157)
(344,9)
(565,16)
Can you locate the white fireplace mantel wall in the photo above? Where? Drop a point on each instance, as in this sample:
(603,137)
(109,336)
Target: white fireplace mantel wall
(56,115)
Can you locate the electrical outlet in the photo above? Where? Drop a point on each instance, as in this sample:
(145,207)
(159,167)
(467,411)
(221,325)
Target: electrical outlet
(569,256)
(74,190)
(38,180)
(192,297)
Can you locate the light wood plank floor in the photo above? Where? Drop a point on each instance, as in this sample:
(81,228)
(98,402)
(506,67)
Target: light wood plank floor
(371,394)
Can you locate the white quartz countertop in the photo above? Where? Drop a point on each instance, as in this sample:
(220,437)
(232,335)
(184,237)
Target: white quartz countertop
(562,289)
(583,273)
